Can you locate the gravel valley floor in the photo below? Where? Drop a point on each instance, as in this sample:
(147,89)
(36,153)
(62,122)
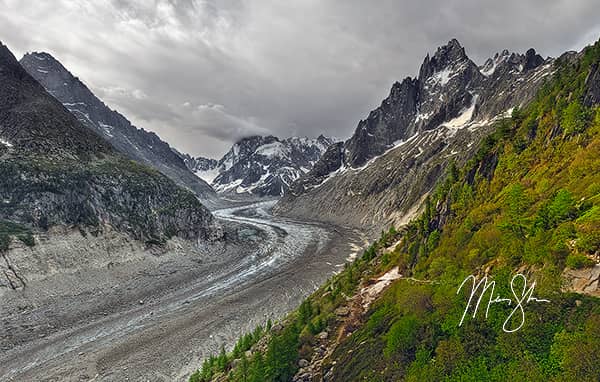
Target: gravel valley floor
(155,318)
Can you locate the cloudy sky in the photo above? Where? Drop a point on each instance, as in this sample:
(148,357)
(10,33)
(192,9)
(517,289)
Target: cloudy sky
(204,73)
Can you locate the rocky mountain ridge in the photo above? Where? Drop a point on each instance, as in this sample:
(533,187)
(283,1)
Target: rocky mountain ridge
(260,166)
(379,175)
(140,145)
(57,172)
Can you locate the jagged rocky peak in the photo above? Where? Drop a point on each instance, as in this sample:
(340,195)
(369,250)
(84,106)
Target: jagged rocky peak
(404,144)
(204,168)
(450,90)
(56,79)
(445,58)
(269,145)
(44,63)
(442,90)
(138,144)
(34,123)
(448,71)
(512,62)
(8,61)
(199,163)
(399,92)
(385,125)
(532,60)
(261,165)
(321,143)
(447,85)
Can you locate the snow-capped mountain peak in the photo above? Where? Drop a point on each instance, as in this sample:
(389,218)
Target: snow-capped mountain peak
(261,165)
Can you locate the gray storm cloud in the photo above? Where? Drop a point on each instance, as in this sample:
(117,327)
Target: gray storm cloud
(204,73)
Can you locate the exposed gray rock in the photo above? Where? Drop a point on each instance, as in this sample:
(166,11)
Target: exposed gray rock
(532,60)
(592,95)
(303,363)
(584,281)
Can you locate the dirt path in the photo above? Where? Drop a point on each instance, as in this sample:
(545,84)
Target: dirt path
(165,322)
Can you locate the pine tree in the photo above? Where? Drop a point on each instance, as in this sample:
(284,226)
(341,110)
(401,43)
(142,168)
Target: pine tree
(222,359)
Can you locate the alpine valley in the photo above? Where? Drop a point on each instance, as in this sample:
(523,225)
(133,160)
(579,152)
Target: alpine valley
(308,259)
(106,242)
(489,171)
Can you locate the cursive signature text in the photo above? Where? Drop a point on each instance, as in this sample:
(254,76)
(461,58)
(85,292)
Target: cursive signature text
(521,297)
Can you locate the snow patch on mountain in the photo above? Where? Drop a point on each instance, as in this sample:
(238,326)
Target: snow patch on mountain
(272,150)
(5,142)
(207,175)
(489,67)
(464,118)
(444,76)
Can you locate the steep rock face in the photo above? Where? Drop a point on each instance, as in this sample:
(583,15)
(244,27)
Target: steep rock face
(55,171)
(138,144)
(261,166)
(592,95)
(395,156)
(385,125)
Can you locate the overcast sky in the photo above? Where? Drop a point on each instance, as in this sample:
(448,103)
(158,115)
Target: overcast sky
(202,74)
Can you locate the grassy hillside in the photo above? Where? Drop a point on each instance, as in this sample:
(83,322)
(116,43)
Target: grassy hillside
(528,202)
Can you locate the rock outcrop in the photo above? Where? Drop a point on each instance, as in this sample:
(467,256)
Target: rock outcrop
(584,281)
